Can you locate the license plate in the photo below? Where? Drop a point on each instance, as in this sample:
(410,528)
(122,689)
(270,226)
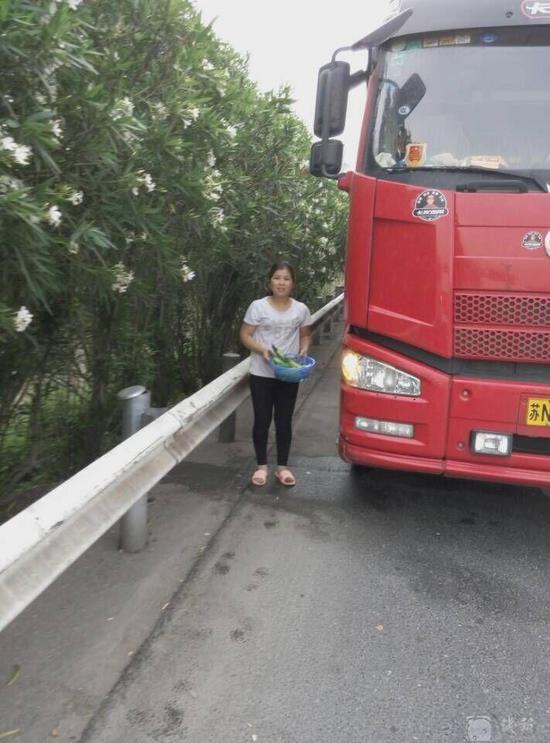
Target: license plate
(538,411)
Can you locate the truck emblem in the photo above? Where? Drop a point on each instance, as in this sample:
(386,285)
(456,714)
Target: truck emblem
(430,205)
(535,9)
(547,244)
(532,240)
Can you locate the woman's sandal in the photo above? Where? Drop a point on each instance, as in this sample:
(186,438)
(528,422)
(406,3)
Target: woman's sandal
(285,477)
(259,478)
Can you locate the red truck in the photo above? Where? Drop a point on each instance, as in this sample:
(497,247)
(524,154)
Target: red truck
(446,358)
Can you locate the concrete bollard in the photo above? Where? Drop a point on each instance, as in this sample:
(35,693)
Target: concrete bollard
(226,431)
(133,525)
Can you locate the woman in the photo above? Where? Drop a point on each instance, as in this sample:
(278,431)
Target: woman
(276,320)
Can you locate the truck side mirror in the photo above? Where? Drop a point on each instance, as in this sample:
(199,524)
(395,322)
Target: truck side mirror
(331,103)
(326,158)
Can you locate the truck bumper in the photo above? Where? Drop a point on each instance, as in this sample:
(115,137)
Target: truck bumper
(445,416)
(472,471)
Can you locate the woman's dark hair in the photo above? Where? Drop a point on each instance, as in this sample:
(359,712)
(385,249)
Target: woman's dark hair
(277,267)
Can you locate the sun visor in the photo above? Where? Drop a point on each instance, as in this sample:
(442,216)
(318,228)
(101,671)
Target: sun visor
(384,32)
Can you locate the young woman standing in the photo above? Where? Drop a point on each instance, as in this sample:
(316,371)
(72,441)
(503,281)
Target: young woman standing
(275,320)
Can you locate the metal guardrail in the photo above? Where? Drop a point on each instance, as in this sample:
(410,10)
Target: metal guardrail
(41,542)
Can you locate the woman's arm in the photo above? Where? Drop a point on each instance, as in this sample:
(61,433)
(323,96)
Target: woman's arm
(246,336)
(305,340)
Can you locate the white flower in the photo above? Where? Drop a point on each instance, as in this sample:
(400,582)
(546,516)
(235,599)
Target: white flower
(23,319)
(8,143)
(52,67)
(212,187)
(74,247)
(194,113)
(123,278)
(54,216)
(7,183)
(56,129)
(150,185)
(127,105)
(211,159)
(129,137)
(208,66)
(135,190)
(73,4)
(123,107)
(232,131)
(22,154)
(218,218)
(77,198)
(160,110)
(186,273)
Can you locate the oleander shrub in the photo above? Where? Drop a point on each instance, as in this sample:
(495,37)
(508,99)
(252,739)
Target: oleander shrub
(146,186)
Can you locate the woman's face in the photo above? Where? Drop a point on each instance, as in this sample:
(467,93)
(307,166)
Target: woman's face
(281,283)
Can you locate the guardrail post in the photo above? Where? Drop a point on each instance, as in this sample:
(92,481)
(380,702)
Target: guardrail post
(316,340)
(226,431)
(133,525)
(338,290)
(327,328)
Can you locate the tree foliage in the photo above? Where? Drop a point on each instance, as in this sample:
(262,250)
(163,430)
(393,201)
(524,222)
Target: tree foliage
(146,185)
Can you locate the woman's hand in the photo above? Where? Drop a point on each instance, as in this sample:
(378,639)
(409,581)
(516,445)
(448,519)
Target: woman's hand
(305,340)
(266,354)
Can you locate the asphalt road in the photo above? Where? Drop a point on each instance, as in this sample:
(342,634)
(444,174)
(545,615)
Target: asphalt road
(371,609)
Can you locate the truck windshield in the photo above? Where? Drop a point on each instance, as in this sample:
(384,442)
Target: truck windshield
(471,99)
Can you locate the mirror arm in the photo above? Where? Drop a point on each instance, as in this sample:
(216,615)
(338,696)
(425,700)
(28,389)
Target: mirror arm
(357,78)
(341,49)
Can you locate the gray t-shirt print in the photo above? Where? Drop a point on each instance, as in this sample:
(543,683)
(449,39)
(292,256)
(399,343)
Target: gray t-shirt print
(281,329)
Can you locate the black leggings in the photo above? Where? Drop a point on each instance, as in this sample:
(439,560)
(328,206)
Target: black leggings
(268,396)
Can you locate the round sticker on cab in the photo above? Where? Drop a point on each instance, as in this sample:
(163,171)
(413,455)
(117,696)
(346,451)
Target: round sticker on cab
(532,240)
(430,205)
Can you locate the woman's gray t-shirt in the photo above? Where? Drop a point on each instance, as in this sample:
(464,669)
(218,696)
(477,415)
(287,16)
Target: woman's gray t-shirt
(275,328)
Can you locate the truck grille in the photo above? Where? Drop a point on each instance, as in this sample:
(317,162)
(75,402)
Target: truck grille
(500,338)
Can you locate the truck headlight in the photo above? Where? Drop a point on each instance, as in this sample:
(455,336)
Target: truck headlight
(370,374)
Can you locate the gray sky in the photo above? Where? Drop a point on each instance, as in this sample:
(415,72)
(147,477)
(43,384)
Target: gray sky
(288,40)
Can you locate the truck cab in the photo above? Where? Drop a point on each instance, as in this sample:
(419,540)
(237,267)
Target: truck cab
(446,358)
